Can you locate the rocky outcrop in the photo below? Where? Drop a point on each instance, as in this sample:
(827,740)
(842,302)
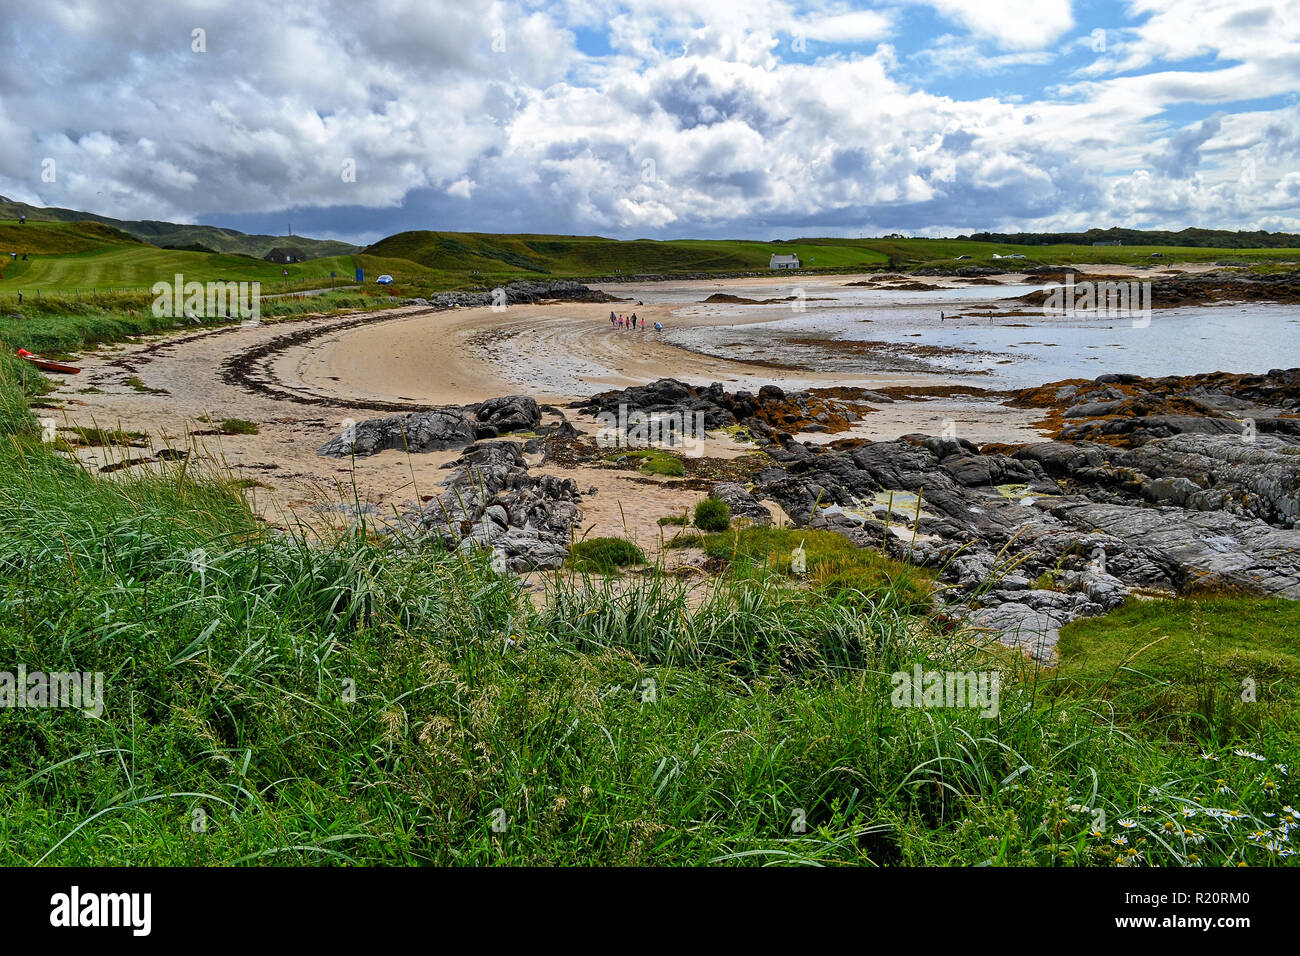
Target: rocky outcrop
(437,429)
(1222,285)
(491,502)
(521,292)
(743,505)
(513,413)
(433,430)
(1184,513)
(1128,411)
(768,415)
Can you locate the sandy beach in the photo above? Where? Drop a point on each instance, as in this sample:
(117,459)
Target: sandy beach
(302,381)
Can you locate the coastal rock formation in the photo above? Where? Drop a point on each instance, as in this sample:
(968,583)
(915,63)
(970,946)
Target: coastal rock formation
(437,429)
(433,430)
(1031,537)
(521,292)
(743,505)
(491,502)
(1126,410)
(1171,291)
(770,413)
(510,414)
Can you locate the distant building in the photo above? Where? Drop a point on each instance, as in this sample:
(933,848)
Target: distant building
(783,262)
(285,254)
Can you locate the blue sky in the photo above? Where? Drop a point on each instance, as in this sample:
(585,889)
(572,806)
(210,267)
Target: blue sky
(658,118)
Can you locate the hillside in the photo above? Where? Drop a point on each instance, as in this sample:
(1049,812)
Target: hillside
(494,256)
(171,234)
(1191,237)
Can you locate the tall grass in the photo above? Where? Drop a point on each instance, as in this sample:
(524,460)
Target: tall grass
(270,700)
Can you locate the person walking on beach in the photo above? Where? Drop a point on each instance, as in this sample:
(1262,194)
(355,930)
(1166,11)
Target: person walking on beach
(940,316)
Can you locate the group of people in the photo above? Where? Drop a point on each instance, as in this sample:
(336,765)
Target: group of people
(626,321)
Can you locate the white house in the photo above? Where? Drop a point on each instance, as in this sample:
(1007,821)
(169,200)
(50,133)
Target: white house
(783,262)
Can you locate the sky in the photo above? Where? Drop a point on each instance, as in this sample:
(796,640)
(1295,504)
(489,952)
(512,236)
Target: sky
(657,118)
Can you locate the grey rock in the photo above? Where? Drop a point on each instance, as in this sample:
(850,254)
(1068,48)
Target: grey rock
(741,502)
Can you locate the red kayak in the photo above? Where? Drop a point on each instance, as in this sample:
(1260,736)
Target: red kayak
(48,365)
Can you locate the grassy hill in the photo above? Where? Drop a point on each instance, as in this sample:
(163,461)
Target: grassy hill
(526,254)
(177,234)
(499,256)
(67,257)
(80,257)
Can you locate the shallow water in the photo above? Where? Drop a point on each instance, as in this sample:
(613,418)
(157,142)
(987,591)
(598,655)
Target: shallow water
(1006,352)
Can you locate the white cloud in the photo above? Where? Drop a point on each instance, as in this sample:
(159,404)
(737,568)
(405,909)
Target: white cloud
(702,117)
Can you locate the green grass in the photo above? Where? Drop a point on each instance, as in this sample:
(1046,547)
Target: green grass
(175,235)
(1185,665)
(712,515)
(835,567)
(90,435)
(85,259)
(605,555)
(60,325)
(239,426)
(139,385)
(343,702)
(657,462)
(503,256)
(90,258)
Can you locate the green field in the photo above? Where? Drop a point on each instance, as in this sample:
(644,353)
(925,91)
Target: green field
(89,258)
(489,255)
(175,235)
(85,258)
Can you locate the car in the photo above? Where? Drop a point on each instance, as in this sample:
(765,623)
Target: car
(963,257)
(385,279)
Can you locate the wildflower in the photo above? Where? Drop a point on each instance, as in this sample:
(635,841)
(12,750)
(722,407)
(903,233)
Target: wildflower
(1209,757)
(1281,768)
(1170,826)
(1193,860)
(1249,755)
(1223,786)
(1188,812)
(1128,824)
(1119,840)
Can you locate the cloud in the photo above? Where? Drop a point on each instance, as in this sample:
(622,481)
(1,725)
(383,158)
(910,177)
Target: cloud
(1182,153)
(651,117)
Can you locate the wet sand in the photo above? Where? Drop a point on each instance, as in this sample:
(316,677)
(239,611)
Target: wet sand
(302,381)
